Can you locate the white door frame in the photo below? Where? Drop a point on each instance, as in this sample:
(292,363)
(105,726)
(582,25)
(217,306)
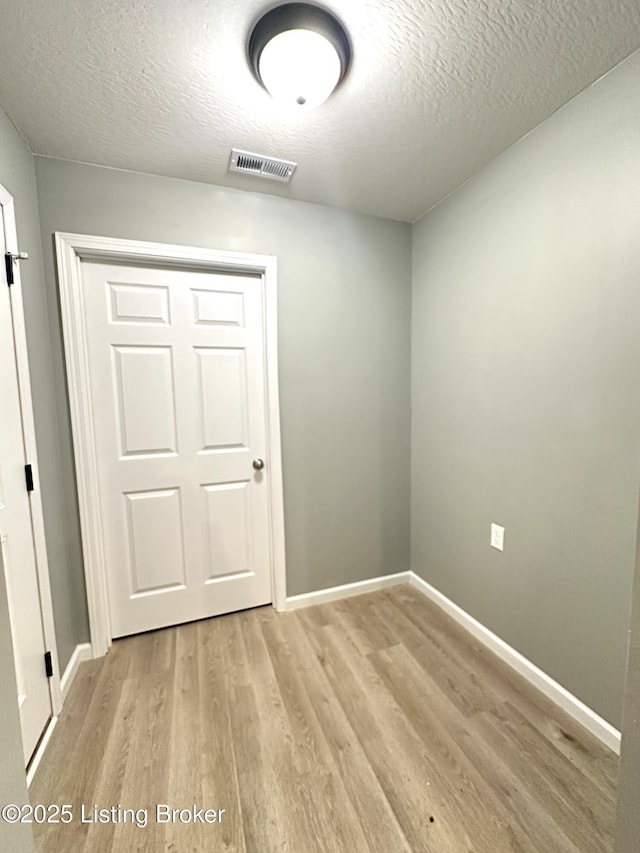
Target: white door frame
(29,434)
(71,250)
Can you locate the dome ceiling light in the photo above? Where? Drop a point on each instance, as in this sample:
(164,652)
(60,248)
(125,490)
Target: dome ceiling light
(299,53)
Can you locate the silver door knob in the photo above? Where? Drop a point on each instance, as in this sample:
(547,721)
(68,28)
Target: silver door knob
(258,464)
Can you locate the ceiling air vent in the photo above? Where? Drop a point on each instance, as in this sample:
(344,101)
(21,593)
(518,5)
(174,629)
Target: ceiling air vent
(261,167)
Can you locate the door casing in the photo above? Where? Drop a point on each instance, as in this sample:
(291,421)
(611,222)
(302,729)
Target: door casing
(71,250)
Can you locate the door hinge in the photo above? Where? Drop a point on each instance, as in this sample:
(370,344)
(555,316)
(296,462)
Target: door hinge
(48,664)
(9,259)
(28,475)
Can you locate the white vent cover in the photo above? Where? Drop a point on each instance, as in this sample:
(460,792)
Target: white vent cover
(260,166)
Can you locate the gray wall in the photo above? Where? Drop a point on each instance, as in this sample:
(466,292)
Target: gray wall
(17,175)
(526,390)
(628,824)
(13,788)
(344,314)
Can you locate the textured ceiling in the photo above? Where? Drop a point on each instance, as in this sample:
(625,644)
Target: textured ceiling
(437,89)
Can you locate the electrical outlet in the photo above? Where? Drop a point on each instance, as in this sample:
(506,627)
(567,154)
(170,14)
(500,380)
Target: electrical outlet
(497,537)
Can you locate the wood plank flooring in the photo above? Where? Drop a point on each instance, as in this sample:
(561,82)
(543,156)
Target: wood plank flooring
(370,725)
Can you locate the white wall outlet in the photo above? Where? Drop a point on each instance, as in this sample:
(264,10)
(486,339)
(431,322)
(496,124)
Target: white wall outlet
(497,537)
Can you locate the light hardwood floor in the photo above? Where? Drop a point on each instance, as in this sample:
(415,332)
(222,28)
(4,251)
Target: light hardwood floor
(370,724)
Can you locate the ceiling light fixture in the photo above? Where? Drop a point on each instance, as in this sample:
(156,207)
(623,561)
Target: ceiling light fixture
(299,53)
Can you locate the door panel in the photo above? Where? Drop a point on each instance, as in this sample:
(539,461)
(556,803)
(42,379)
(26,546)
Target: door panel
(136,303)
(223,395)
(143,382)
(178,389)
(217,307)
(156,536)
(228,517)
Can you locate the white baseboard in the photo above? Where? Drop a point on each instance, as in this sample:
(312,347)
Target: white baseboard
(334,593)
(81,653)
(37,755)
(599,727)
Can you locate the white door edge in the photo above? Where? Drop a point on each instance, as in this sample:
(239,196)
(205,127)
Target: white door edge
(71,250)
(28,426)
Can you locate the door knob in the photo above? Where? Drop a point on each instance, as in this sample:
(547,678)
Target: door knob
(258,464)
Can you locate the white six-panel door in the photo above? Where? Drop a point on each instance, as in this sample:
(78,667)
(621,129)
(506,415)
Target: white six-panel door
(177,367)
(17,538)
